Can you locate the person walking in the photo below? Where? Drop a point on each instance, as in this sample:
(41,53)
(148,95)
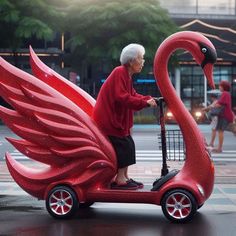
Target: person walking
(113,111)
(214,120)
(226,116)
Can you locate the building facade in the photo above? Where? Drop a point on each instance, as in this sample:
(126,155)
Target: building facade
(216,20)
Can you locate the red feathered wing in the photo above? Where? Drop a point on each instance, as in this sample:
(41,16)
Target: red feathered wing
(67,88)
(55,131)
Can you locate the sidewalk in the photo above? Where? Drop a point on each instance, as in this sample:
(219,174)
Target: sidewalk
(223,197)
(225,172)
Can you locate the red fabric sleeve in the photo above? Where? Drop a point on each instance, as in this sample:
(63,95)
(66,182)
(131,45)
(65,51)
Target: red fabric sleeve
(123,94)
(223,100)
(134,93)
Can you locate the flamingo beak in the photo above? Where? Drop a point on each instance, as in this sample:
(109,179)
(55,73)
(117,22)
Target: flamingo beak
(208,71)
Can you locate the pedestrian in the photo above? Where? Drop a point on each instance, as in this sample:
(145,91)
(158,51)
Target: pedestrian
(213,118)
(226,116)
(113,111)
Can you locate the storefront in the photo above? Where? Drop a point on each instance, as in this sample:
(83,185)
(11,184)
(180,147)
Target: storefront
(216,20)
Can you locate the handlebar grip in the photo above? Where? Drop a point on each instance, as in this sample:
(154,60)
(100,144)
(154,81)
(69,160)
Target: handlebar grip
(158,100)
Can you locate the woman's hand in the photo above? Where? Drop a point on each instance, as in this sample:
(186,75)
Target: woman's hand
(151,102)
(205,109)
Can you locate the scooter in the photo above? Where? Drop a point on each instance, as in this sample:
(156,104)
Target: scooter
(54,119)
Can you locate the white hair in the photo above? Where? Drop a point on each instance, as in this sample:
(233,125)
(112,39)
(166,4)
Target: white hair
(131,52)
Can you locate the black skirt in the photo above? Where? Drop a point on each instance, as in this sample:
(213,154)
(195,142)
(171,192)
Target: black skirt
(222,124)
(125,150)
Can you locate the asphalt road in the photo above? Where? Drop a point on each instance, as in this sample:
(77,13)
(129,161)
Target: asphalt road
(25,216)
(146,136)
(146,140)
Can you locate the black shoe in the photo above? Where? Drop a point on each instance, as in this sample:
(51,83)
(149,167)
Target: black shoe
(140,185)
(126,186)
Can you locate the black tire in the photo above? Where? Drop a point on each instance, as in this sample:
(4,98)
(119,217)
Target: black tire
(85,205)
(179,205)
(61,202)
(200,206)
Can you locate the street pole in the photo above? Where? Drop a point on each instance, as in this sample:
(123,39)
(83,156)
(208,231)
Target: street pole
(196,7)
(177,82)
(205,91)
(62,48)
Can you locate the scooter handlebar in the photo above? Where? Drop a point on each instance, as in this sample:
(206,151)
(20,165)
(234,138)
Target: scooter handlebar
(158,100)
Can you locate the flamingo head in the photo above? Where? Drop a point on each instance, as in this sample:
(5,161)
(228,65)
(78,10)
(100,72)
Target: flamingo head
(208,58)
(203,51)
(200,47)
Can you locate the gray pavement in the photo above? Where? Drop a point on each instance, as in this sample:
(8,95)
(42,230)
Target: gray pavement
(147,143)
(223,197)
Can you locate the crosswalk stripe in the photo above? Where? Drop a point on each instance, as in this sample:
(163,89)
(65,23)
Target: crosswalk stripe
(213,158)
(156,155)
(159,151)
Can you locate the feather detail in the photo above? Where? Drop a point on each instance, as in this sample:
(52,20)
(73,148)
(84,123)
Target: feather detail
(80,152)
(26,128)
(55,130)
(37,153)
(67,88)
(75,141)
(36,181)
(64,129)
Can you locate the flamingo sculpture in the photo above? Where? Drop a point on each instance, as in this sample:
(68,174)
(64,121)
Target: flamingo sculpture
(53,118)
(198,169)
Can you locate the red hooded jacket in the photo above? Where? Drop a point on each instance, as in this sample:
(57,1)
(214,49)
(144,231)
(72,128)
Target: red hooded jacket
(116,102)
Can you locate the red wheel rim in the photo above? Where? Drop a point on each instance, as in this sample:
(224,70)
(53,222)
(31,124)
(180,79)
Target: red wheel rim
(178,205)
(61,202)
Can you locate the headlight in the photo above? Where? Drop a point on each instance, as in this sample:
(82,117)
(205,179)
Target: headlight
(198,114)
(169,114)
(200,189)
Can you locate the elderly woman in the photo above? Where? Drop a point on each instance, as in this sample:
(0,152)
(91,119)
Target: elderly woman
(113,112)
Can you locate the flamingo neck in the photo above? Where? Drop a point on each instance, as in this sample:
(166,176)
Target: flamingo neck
(192,137)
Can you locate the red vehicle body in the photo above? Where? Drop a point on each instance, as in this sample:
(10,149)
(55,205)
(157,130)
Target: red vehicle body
(53,118)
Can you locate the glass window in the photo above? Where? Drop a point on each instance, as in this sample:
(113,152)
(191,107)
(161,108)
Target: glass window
(225,73)
(221,7)
(216,69)
(226,70)
(197,70)
(217,79)
(198,91)
(186,70)
(176,6)
(225,77)
(187,103)
(234,70)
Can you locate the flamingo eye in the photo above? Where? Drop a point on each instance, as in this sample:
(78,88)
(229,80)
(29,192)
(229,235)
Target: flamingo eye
(204,50)
(209,53)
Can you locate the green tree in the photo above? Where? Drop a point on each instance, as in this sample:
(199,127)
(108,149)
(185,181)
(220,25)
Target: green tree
(100,29)
(25,19)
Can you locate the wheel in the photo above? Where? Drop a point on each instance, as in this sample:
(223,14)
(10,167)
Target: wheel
(85,205)
(179,205)
(61,202)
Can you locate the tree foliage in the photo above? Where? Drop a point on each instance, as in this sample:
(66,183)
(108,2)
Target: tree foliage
(97,29)
(102,28)
(24,19)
